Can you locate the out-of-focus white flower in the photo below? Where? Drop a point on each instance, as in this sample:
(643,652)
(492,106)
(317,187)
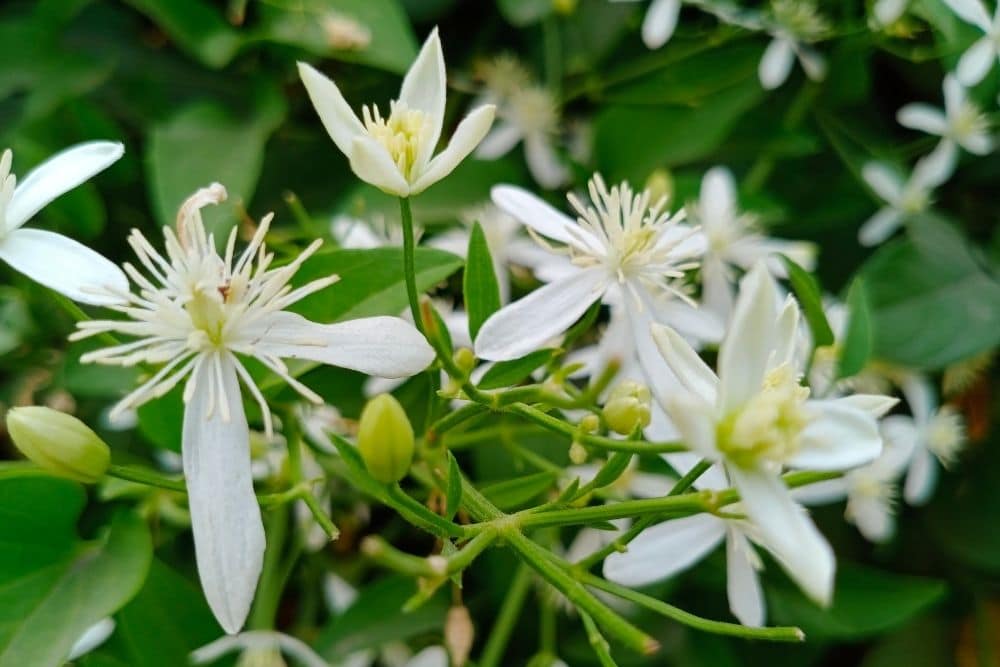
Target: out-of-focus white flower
(355,233)
(660,21)
(887,12)
(903,198)
(735,241)
(192,314)
(795,24)
(502,76)
(979,59)
(755,418)
(54,260)
(344,32)
(962,123)
(259,648)
(532,117)
(92,637)
(394,153)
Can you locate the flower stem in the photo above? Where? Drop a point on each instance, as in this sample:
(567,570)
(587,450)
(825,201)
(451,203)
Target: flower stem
(293,436)
(147,477)
(409,268)
(507,618)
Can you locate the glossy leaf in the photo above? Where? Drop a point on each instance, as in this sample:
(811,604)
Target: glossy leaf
(480,288)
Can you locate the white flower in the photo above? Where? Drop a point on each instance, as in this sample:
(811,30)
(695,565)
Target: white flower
(530,115)
(977,61)
(887,12)
(354,233)
(734,241)
(92,637)
(622,249)
(58,262)
(796,23)
(962,123)
(755,418)
(660,21)
(937,434)
(193,313)
(903,198)
(394,153)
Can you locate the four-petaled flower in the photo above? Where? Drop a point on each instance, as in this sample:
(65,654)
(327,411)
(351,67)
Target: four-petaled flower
(193,312)
(904,198)
(977,61)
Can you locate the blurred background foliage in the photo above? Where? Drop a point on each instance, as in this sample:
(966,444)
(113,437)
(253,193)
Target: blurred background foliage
(201,91)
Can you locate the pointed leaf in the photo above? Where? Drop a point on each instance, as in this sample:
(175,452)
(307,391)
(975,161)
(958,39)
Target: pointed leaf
(857,346)
(508,373)
(453,496)
(482,292)
(810,297)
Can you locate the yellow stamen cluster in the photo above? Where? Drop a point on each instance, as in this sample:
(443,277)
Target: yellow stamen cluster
(405,133)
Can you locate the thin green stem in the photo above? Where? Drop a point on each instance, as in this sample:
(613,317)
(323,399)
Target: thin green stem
(146,476)
(409,268)
(293,436)
(269,588)
(507,617)
(598,642)
(453,419)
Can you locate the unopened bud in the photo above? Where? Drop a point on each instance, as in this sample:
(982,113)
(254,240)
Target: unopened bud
(577,454)
(660,185)
(385,439)
(465,359)
(590,424)
(458,634)
(565,7)
(628,407)
(58,442)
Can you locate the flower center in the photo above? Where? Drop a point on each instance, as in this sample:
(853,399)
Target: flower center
(768,426)
(534,110)
(207,310)
(946,435)
(969,121)
(914,200)
(404,133)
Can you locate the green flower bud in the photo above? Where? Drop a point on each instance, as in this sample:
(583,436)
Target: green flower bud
(58,442)
(590,424)
(385,439)
(627,407)
(465,359)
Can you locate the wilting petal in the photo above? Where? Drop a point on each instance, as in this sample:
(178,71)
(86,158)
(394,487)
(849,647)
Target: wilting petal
(59,174)
(373,164)
(467,136)
(543,162)
(384,346)
(526,325)
(880,226)
(746,350)
(776,63)
(976,62)
(660,21)
(500,141)
(693,373)
(745,598)
(971,11)
(883,180)
(665,549)
(922,117)
(787,531)
(425,86)
(838,437)
(62,264)
(340,121)
(225,516)
(543,218)
(921,478)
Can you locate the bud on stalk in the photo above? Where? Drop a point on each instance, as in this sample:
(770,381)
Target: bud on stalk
(58,442)
(385,439)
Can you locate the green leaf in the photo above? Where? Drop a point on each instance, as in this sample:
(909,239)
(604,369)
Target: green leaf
(933,297)
(52,585)
(204,143)
(512,493)
(508,373)
(198,28)
(312,26)
(810,297)
(482,293)
(453,496)
(377,618)
(857,347)
(866,602)
(371,281)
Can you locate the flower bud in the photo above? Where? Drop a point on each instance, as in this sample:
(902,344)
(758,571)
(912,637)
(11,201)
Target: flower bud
(627,407)
(578,454)
(590,424)
(458,634)
(660,184)
(385,439)
(465,359)
(58,442)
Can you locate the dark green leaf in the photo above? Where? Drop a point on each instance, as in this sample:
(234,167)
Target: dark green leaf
(197,26)
(482,293)
(453,496)
(810,298)
(857,347)
(512,493)
(507,373)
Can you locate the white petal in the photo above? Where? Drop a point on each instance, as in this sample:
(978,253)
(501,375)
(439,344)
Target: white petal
(821,493)
(372,163)
(923,117)
(650,363)
(876,405)
(665,549)
(954,94)
(978,144)
(936,167)
(717,292)
(336,115)
(649,485)
(920,397)
(787,531)
(976,62)
(259,640)
(776,63)
(543,162)
(813,62)
(59,174)
(693,373)
(467,136)
(921,478)
(888,12)
(529,323)
(91,638)
(425,85)
(838,437)
(880,226)
(970,11)
(543,218)
(717,200)
(695,420)
(384,346)
(225,517)
(899,441)
(872,516)
(660,21)
(748,250)
(62,264)
(696,324)
(883,180)
(432,656)
(714,478)
(500,140)
(746,350)
(746,600)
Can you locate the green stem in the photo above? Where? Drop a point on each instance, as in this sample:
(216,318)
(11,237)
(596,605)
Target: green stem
(453,419)
(409,268)
(145,476)
(507,617)
(293,436)
(598,642)
(269,588)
